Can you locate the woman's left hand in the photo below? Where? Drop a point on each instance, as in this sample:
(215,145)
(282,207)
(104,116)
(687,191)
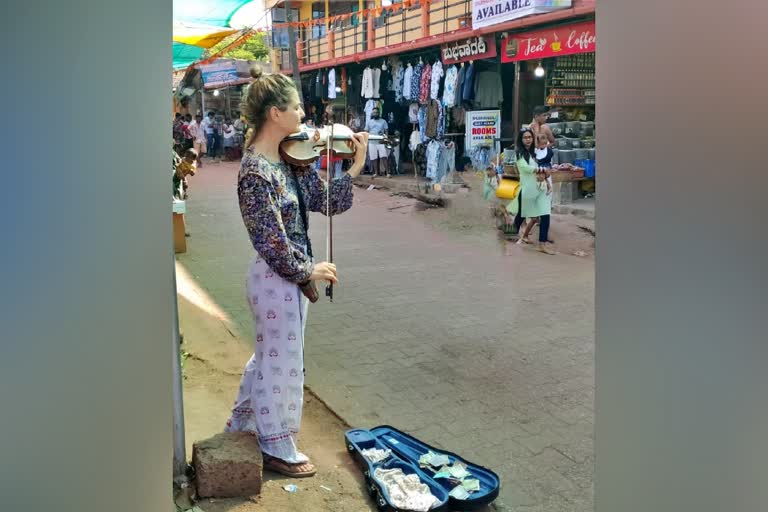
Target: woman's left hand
(360,140)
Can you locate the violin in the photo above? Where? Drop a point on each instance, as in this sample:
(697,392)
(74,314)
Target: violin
(305,147)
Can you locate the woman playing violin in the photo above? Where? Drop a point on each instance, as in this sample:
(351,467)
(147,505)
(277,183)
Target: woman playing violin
(269,403)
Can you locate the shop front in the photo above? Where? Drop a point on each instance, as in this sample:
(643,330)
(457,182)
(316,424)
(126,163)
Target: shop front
(427,96)
(555,67)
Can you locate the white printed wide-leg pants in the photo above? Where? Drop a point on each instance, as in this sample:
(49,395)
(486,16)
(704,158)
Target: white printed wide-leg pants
(270,398)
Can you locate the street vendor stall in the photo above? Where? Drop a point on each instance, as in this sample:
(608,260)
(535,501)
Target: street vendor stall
(560,63)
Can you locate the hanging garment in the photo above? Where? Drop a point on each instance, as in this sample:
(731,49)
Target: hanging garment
(440,119)
(437,75)
(433,154)
(442,164)
(354,86)
(432,119)
(366,90)
(396,67)
(416,82)
(468,92)
(407,78)
(449,89)
(480,157)
(420,159)
(398,82)
(376,74)
(426,83)
(414,140)
(488,90)
(460,84)
(450,156)
(459,116)
(413,113)
(332,84)
(318,85)
(423,123)
(344,81)
(385,81)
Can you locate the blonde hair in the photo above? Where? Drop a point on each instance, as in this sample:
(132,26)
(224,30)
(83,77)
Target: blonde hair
(266,91)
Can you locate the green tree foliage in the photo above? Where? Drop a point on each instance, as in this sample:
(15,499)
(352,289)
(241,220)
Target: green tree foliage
(255,48)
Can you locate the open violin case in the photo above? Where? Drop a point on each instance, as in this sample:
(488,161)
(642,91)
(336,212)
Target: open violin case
(406,451)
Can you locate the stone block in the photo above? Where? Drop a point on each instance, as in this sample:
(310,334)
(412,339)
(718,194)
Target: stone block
(228,465)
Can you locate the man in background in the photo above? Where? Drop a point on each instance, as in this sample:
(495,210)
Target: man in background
(198,137)
(539,124)
(377,152)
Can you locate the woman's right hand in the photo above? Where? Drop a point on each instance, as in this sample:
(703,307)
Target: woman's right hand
(324,271)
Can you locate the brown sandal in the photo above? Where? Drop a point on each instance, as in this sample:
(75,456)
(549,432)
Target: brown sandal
(284,468)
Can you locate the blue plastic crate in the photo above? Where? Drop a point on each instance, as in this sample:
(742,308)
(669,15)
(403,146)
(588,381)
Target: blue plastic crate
(589,168)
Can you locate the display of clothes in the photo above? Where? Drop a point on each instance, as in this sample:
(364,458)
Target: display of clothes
(488,90)
(449,88)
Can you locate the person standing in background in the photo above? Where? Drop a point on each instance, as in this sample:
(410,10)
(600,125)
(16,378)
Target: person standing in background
(376,150)
(539,123)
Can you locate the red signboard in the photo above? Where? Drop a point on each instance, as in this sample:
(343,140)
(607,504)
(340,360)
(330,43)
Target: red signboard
(553,42)
(474,48)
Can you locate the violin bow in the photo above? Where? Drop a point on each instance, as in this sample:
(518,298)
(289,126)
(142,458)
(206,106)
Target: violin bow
(329,234)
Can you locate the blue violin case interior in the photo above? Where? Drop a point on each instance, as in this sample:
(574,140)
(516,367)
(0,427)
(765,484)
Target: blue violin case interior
(406,452)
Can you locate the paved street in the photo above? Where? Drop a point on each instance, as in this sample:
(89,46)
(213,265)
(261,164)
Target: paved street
(436,331)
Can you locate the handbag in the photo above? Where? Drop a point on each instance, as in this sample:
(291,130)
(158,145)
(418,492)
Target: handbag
(308,288)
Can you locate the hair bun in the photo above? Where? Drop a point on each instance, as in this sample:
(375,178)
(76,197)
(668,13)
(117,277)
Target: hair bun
(256,72)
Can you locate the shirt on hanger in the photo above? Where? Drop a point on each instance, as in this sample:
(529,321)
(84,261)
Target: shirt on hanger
(332,84)
(407,77)
(449,89)
(376,72)
(426,83)
(468,89)
(416,81)
(366,90)
(437,75)
(460,84)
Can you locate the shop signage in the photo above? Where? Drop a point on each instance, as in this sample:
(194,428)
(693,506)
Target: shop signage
(483,127)
(469,49)
(491,12)
(224,72)
(553,42)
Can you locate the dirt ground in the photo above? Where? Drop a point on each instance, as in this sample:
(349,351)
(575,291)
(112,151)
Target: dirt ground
(213,358)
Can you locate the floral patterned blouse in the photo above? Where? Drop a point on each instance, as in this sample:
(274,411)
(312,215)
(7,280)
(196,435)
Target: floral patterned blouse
(270,210)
